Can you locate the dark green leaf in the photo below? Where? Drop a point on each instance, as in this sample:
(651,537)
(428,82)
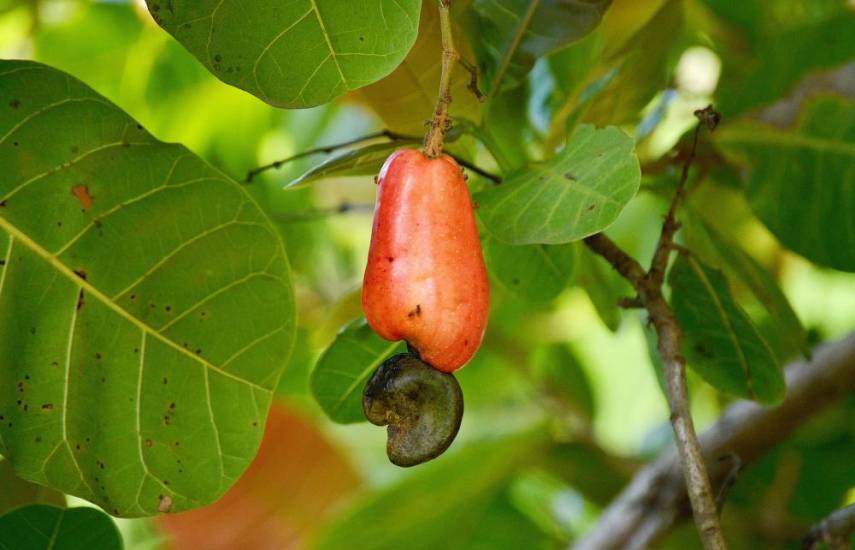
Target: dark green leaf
(340,375)
(293,54)
(801,183)
(577,193)
(451,491)
(145,299)
(720,342)
(17,492)
(784,51)
(535,272)
(791,333)
(42,527)
(513,34)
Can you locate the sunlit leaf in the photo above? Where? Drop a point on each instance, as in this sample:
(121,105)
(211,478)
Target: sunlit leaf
(287,493)
(642,66)
(720,342)
(340,375)
(513,34)
(577,193)
(405,99)
(293,54)
(145,299)
(43,527)
(535,272)
(801,183)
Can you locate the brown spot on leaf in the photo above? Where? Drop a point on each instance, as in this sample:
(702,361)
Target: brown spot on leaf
(165,504)
(81,191)
(14,104)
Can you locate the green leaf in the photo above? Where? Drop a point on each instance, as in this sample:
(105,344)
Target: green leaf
(605,287)
(577,193)
(145,303)
(340,375)
(643,68)
(720,342)
(801,183)
(358,162)
(405,99)
(764,287)
(451,491)
(783,54)
(536,272)
(42,527)
(563,377)
(293,54)
(17,492)
(513,34)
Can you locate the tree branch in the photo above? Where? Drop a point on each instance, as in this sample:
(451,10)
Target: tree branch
(656,500)
(648,284)
(835,530)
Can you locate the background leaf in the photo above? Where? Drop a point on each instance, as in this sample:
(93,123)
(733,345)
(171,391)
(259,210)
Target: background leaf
(720,342)
(289,490)
(405,99)
(293,54)
(800,183)
(510,35)
(605,287)
(577,193)
(137,277)
(17,492)
(340,375)
(563,377)
(405,514)
(535,272)
(42,527)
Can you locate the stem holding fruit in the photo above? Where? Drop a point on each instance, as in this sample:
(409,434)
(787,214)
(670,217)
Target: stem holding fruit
(440,123)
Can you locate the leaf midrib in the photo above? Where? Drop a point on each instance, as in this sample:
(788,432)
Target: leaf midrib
(17,234)
(512,47)
(762,136)
(702,277)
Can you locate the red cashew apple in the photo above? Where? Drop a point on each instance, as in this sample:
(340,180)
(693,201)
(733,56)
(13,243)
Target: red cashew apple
(425,281)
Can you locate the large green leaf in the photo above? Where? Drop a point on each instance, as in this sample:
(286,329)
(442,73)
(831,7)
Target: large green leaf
(42,527)
(340,375)
(577,193)
(293,54)
(513,34)
(564,378)
(535,272)
(801,183)
(451,491)
(720,342)
(145,303)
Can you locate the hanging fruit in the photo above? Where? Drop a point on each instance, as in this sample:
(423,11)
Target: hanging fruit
(425,281)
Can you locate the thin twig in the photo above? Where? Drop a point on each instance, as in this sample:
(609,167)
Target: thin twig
(472,69)
(648,285)
(655,500)
(326,149)
(836,530)
(440,123)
